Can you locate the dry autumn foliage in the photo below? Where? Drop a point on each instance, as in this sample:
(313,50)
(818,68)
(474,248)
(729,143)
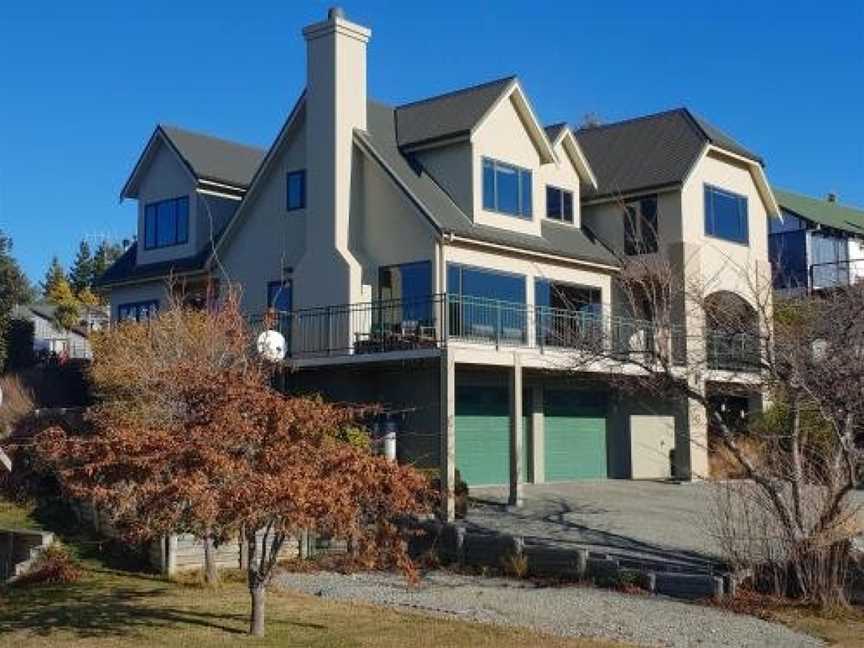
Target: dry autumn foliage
(213,449)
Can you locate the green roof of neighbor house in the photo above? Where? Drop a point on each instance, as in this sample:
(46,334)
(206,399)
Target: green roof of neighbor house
(822,211)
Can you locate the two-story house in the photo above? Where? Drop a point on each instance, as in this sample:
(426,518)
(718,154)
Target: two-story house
(818,244)
(436,257)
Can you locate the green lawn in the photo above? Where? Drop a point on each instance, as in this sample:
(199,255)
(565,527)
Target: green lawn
(114,608)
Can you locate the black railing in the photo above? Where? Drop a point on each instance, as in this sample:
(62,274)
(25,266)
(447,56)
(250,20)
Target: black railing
(733,351)
(430,322)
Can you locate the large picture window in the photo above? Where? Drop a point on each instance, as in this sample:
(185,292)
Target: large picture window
(404,291)
(486,305)
(166,223)
(506,189)
(726,215)
(559,204)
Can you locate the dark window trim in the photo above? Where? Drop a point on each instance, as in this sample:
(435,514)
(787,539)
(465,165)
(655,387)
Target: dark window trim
(520,170)
(302,174)
(503,273)
(746,241)
(561,217)
(177,240)
(137,307)
(289,283)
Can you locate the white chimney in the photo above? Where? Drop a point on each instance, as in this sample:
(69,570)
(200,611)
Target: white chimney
(335,106)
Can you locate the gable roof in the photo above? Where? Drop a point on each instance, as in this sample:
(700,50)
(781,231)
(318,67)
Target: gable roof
(215,159)
(209,160)
(125,269)
(821,211)
(380,143)
(449,115)
(650,152)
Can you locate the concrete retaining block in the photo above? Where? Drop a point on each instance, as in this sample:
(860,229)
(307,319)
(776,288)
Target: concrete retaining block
(689,586)
(489,550)
(555,561)
(602,570)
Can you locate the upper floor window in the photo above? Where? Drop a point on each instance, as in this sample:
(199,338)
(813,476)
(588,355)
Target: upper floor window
(166,223)
(726,215)
(640,226)
(559,204)
(296,190)
(506,189)
(138,311)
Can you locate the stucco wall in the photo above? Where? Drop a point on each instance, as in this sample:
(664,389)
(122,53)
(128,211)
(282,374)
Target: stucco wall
(726,265)
(503,137)
(166,178)
(562,175)
(268,239)
(451,166)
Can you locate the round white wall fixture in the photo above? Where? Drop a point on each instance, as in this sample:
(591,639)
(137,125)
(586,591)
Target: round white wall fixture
(271,346)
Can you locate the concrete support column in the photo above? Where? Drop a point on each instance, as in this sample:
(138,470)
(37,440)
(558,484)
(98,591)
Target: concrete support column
(448,435)
(516,424)
(691,440)
(538,435)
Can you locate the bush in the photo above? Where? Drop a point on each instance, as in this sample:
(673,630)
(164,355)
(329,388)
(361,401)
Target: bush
(460,491)
(54,566)
(17,403)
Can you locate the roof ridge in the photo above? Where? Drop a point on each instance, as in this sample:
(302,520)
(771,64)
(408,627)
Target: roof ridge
(630,120)
(452,93)
(820,201)
(166,127)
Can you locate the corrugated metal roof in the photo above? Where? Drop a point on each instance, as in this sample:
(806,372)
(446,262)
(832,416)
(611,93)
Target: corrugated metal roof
(822,211)
(448,115)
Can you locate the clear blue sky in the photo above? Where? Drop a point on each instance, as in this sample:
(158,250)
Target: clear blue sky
(82,84)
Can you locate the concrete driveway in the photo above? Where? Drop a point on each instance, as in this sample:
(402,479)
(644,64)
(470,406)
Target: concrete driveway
(642,520)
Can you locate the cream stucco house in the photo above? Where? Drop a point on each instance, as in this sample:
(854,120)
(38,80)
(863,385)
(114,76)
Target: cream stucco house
(427,256)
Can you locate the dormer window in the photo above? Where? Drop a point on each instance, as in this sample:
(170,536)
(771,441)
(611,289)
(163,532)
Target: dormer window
(506,189)
(166,223)
(559,204)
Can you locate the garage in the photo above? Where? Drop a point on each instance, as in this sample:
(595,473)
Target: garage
(483,435)
(575,435)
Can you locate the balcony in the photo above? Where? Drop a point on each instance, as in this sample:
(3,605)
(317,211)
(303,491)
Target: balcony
(424,325)
(836,274)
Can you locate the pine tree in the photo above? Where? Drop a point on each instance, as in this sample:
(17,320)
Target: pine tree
(15,289)
(81,274)
(53,277)
(106,254)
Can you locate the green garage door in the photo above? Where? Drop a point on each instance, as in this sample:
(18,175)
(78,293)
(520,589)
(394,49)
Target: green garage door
(575,435)
(483,435)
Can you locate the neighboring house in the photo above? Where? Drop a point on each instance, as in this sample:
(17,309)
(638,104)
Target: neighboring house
(425,255)
(48,338)
(818,244)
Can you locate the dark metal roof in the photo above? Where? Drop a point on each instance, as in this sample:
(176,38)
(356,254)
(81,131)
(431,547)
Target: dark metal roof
(561,240)
(125,269)
(649,152)
(215,159)
(554,130)
(449,115)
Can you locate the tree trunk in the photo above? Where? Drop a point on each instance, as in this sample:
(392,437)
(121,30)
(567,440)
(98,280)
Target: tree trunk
(211,571)
(256,624)
(244,550)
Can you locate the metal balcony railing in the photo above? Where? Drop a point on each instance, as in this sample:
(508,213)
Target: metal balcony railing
(835,274)
(733,351)
(433,321)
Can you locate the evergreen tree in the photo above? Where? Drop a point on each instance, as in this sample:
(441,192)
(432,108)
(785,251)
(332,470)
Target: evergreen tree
(15,289)
(106,254)
(54,276)
(81,274)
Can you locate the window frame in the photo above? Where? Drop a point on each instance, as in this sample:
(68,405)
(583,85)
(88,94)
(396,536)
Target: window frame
(136,307)
(562,217)
(284,283)
(710,218)
(154,206)
(300,173)
(455,265)
(521,173)
(642,241)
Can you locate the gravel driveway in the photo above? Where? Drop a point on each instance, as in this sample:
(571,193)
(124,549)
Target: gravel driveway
(573,611)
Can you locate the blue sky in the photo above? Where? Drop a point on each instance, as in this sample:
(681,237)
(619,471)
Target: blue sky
(82,84)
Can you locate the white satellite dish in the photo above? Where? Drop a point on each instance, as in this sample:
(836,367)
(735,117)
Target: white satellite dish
(271,346)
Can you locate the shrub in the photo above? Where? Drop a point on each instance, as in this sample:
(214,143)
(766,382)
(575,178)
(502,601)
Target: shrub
(460,491)
(54,566)
(19,344)
(17,403)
